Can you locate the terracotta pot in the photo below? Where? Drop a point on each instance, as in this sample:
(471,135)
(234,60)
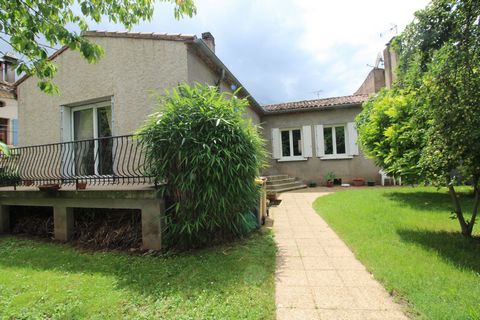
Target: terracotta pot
(358,182)
(49,187)
(329,183)
(81,185)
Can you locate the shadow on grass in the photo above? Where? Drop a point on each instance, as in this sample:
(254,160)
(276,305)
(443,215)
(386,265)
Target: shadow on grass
(220,269)
(429,201)
(452,246)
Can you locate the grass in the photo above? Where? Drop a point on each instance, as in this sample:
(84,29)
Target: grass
(47,280)
(405,237)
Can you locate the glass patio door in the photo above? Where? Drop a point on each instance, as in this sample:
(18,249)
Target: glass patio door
(93,152)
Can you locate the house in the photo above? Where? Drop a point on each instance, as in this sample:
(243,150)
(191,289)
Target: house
(8,101)
(306,139)
(85,134)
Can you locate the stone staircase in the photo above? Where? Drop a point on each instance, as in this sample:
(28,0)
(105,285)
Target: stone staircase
(282,182)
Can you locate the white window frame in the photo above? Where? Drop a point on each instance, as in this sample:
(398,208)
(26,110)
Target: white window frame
(336,155)
(291,157)
(94,107)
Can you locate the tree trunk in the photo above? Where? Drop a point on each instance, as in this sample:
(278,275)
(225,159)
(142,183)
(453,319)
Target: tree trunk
(475,210)
(457,209)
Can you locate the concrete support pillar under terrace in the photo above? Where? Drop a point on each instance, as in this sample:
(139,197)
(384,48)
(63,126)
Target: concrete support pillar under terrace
(64,201)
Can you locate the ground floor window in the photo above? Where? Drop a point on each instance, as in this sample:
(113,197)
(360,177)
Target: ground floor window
(4,130)
(334,140)
(291,142)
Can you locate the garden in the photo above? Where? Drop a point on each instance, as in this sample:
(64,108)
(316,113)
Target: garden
(44,280)
(214,263)
(405,237)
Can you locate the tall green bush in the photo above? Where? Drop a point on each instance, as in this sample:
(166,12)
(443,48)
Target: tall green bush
(208,155)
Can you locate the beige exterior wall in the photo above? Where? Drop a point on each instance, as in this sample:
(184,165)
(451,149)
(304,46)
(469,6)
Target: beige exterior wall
(314,168)
(9,111)
(198,71)
(129,71)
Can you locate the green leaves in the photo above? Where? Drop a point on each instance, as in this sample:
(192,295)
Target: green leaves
(209,155)
(31,27)
(427,127)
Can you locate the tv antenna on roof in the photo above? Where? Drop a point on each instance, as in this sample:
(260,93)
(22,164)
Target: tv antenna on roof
(317,92)
(392,30)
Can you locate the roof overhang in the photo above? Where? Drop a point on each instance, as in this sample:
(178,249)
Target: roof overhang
(314,109)
(206,52)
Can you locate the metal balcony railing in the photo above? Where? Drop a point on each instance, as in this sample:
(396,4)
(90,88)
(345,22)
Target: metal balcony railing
(109,160)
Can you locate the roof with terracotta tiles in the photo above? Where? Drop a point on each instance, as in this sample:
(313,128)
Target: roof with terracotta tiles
(317,104)
(141,35)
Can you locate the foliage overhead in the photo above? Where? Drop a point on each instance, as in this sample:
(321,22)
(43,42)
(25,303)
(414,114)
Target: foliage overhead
(208,155)
(427,126)
(33,27)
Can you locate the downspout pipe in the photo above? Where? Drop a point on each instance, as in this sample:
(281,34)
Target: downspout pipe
(220,79)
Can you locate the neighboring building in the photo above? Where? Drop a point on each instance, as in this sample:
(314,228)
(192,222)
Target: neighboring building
(8,101)
(308,139)
(114,96)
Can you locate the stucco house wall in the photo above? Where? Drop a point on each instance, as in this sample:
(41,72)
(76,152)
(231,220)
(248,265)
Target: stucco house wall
(314,168)
(128,71)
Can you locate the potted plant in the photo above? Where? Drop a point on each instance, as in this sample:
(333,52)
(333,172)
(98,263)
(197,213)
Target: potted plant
(358,182)
(337,181)
(312,184)
(329,178)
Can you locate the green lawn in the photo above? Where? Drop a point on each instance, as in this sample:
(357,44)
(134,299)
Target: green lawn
(406,238)
(46,280)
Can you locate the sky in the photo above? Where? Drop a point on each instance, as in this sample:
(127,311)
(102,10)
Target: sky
(289,50)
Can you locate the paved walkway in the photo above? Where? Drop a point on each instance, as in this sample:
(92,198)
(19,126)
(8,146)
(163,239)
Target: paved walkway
(317,275)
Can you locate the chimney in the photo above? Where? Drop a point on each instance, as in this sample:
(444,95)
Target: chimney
(209,40)
(390,63)
(9,64)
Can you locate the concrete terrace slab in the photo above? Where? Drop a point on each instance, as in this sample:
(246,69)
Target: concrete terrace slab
(317,275)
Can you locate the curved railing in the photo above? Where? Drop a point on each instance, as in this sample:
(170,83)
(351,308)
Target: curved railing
(109,160)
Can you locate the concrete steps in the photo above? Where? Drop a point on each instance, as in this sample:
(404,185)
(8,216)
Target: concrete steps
(282,182)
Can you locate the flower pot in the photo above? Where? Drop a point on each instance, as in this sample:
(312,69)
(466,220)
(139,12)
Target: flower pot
(312,184)
(358,182)
(27,182)
(371,183)
(81,185)
(337,182)
(329,183)
(49,187)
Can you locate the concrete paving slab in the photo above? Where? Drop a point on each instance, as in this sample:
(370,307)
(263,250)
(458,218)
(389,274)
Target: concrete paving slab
(318,276)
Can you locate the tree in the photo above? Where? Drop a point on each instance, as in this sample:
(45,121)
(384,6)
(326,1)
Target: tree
(438,77)
(32,27)
(208,155)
